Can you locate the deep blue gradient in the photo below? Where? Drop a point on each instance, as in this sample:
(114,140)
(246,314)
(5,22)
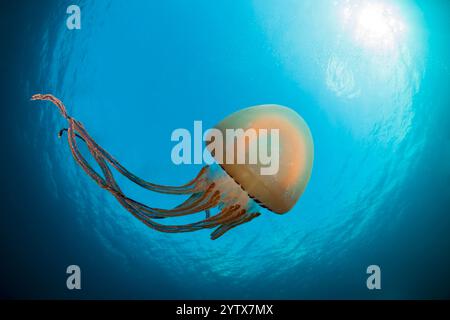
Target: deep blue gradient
(377,102)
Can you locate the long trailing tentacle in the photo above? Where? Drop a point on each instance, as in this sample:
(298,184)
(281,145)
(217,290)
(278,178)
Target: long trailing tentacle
(187,188)
(81,133)
(203,196)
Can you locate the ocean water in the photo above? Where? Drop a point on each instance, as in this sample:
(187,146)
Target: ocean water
(371,79)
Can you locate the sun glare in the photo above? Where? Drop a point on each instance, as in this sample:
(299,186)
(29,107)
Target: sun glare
(374,25)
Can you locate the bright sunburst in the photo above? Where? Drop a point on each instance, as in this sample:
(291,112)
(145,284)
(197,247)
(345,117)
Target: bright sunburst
(374,25)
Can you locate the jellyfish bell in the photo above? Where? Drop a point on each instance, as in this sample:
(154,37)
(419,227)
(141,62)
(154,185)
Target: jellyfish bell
(279,191)
(235,189)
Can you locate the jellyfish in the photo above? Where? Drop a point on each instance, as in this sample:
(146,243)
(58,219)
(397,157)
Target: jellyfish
(236,192)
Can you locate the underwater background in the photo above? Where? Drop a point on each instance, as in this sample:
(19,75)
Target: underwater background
(371,79)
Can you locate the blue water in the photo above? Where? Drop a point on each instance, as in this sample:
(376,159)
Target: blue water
(372,82)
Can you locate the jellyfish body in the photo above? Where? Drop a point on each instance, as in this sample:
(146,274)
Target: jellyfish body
(280,191)
(235,191)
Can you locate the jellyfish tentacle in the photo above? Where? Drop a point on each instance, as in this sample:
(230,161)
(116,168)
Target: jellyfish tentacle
(227,214)
(195,200)
(205,194)
(206,223)
(81,132)
(189,187)
(133,207)
(163,213)
(226,227)
(55,101)
(81,161)
(73,132)
(200,205)
(227,219)
(61,132)
(112,187)
(204,200)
